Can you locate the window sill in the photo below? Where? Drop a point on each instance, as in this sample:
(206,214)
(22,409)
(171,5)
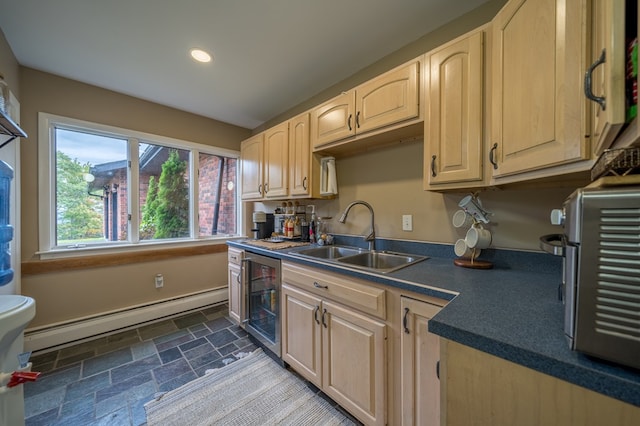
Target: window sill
(100,257)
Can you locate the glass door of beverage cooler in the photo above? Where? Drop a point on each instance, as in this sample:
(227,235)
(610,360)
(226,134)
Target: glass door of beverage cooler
(263,301)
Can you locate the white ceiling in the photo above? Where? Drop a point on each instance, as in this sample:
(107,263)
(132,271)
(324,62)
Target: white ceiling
(269,55)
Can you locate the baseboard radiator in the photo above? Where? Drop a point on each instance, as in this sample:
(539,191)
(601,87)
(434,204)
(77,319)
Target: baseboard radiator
(60,335)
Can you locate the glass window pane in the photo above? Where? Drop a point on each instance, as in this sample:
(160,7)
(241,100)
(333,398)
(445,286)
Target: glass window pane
(164,192)
(217,195)
(91,188)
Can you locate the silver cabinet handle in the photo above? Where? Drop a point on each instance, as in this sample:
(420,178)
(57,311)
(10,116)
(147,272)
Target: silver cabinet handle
(588,91)
(316,285)
(266,187)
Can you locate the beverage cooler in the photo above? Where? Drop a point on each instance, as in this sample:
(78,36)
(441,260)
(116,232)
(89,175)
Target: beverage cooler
(262,292)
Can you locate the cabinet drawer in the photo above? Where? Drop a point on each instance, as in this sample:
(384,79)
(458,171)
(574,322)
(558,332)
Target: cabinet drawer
(235,256)
(353,292)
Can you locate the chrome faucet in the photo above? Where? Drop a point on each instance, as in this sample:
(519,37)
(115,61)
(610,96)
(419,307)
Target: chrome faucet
(371,238)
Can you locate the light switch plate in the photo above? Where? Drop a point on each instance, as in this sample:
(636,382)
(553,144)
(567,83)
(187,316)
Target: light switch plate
(407,222)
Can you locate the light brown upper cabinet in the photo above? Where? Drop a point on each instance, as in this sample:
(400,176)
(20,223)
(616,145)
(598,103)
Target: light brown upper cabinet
(605,84)
(264,162)
(251,166)
(300,158)
(453,130)
(385,100)
(538,113)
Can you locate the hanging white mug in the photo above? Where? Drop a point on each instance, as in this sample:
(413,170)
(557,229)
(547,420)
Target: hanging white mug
(461,218)
(462,250)
(478,237)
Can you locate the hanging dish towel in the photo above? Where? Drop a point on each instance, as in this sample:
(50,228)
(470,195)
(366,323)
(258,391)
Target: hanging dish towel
(328,181)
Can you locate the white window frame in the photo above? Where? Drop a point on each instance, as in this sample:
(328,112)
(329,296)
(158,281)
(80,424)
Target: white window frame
(47,124)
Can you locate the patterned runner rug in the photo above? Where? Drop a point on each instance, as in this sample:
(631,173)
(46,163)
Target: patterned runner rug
(254,390)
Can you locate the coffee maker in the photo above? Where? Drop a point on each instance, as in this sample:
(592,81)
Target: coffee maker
(262,225)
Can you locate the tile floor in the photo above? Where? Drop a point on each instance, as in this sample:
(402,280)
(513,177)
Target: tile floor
(107,381)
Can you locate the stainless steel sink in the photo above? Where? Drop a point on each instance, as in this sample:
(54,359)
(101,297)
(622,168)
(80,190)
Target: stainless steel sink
(371,260)
(381,261)
(329,252)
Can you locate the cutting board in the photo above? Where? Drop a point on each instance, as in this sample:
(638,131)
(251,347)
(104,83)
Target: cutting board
(473,264)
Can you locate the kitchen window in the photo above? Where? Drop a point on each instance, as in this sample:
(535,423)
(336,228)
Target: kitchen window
(107,188)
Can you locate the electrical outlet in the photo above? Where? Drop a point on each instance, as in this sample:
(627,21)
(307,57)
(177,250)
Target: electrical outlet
(159,281)
(407,222)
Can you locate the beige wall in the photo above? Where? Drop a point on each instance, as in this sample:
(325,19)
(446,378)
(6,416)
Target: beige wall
(391,181)
(74,294)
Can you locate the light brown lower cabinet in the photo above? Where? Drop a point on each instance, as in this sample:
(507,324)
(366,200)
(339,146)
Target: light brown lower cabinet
(420,353)
(234,280)
(482,389)
(341,351)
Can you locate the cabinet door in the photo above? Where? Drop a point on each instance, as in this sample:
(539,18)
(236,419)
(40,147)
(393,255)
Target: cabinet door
(236,303)
(354,362)
(454,129)
(608,78)
(333,120)
(301,333)
(538,106)
(388,99)
(299,156)
(420,353)
(276,161)
(251,161)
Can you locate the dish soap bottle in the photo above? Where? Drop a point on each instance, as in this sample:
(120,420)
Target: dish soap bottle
(312,225)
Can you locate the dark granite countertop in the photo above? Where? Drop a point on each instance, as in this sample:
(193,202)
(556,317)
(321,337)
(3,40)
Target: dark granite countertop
(510,311)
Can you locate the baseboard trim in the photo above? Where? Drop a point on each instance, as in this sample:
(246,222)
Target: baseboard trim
(56,336)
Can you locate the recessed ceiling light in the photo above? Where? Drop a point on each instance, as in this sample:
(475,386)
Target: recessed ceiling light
(200,55)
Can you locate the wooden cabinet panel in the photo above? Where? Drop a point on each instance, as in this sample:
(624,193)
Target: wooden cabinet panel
(538,107)
(343,352)
(236,305)
(251,166)
(388,99)
(300,157)
(453,131)
(276,161)
(354,363)
(391,98)
(301,331)
(481,389)
(333,120)
(234,281)
(353,292)
(419,362)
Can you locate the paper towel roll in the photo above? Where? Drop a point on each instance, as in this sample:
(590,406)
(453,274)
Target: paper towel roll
(328,180)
